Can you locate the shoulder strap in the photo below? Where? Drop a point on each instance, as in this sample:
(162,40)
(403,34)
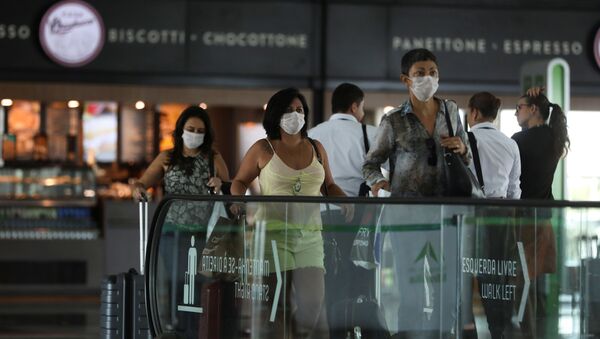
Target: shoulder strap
(448,121)
(211,163)
(365,138)
(270,145)
(314,145)
(477,162)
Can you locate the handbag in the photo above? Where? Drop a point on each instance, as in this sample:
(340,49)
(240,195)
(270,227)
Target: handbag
(364,247)
(362,252)
(224,246)
(459,180)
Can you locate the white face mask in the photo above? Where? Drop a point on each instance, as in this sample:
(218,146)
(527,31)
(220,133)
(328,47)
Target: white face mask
(192,140)
(292,122)
(424,87)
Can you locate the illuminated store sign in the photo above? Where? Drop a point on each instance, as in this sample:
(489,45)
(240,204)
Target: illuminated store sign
(72,33)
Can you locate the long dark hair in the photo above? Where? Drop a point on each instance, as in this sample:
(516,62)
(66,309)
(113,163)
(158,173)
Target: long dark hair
(176,157)
(486,103)
(277,106)
(557,122)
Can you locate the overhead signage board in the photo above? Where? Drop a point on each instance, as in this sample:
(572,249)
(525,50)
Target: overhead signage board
(252,38)
(485,45)
(279,40)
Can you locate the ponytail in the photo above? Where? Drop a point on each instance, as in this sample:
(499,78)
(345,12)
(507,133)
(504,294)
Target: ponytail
(556,119)
(558,122)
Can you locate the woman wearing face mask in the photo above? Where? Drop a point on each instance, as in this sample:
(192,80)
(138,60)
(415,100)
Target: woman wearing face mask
(185,167)
(412,136)
(286,163)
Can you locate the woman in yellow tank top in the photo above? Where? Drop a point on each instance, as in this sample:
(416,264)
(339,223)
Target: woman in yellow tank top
(286,163)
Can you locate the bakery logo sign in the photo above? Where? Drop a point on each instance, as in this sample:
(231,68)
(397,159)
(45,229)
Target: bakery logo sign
(72,33)
(597,47)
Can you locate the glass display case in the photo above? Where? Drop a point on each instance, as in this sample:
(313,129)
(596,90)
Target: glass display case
(33,182)
(50,236)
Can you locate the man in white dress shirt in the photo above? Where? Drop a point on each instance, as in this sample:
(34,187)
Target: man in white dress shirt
(342,137)
(497,157)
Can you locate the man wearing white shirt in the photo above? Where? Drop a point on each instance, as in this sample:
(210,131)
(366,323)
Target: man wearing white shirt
(342,137)
(496,158)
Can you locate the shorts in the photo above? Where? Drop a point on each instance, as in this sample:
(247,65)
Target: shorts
(296,248)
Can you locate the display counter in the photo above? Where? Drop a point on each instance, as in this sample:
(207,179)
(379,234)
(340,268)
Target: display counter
(50,239)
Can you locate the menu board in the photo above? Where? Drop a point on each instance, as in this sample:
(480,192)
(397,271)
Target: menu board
(57,130)
(24,124)
(100,131)
(136,135)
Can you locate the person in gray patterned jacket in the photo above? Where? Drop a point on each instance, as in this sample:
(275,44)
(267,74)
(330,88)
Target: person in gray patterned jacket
(413,135)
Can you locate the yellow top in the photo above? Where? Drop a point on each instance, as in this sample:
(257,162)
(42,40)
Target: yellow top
(277,178)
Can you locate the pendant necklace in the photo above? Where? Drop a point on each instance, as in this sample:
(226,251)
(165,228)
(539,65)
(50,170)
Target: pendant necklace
(297,186)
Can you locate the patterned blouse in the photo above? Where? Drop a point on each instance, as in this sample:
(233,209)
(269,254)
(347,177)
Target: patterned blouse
(402,139)
(188,215)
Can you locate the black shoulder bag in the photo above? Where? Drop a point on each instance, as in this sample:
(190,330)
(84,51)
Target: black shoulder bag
(364,189)
(459,181)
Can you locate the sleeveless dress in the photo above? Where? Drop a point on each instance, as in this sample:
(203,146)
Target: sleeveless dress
(188,215)
(296,227)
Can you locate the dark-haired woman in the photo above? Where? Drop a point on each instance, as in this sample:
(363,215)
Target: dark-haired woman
(286,163)
(185,169)
(542,143)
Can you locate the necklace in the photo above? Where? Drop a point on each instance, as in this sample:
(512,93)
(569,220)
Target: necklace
(297,186)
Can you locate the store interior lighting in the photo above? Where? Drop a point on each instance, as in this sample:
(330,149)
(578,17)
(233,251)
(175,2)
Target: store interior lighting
(6,102)
(140,104)
(73,104)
